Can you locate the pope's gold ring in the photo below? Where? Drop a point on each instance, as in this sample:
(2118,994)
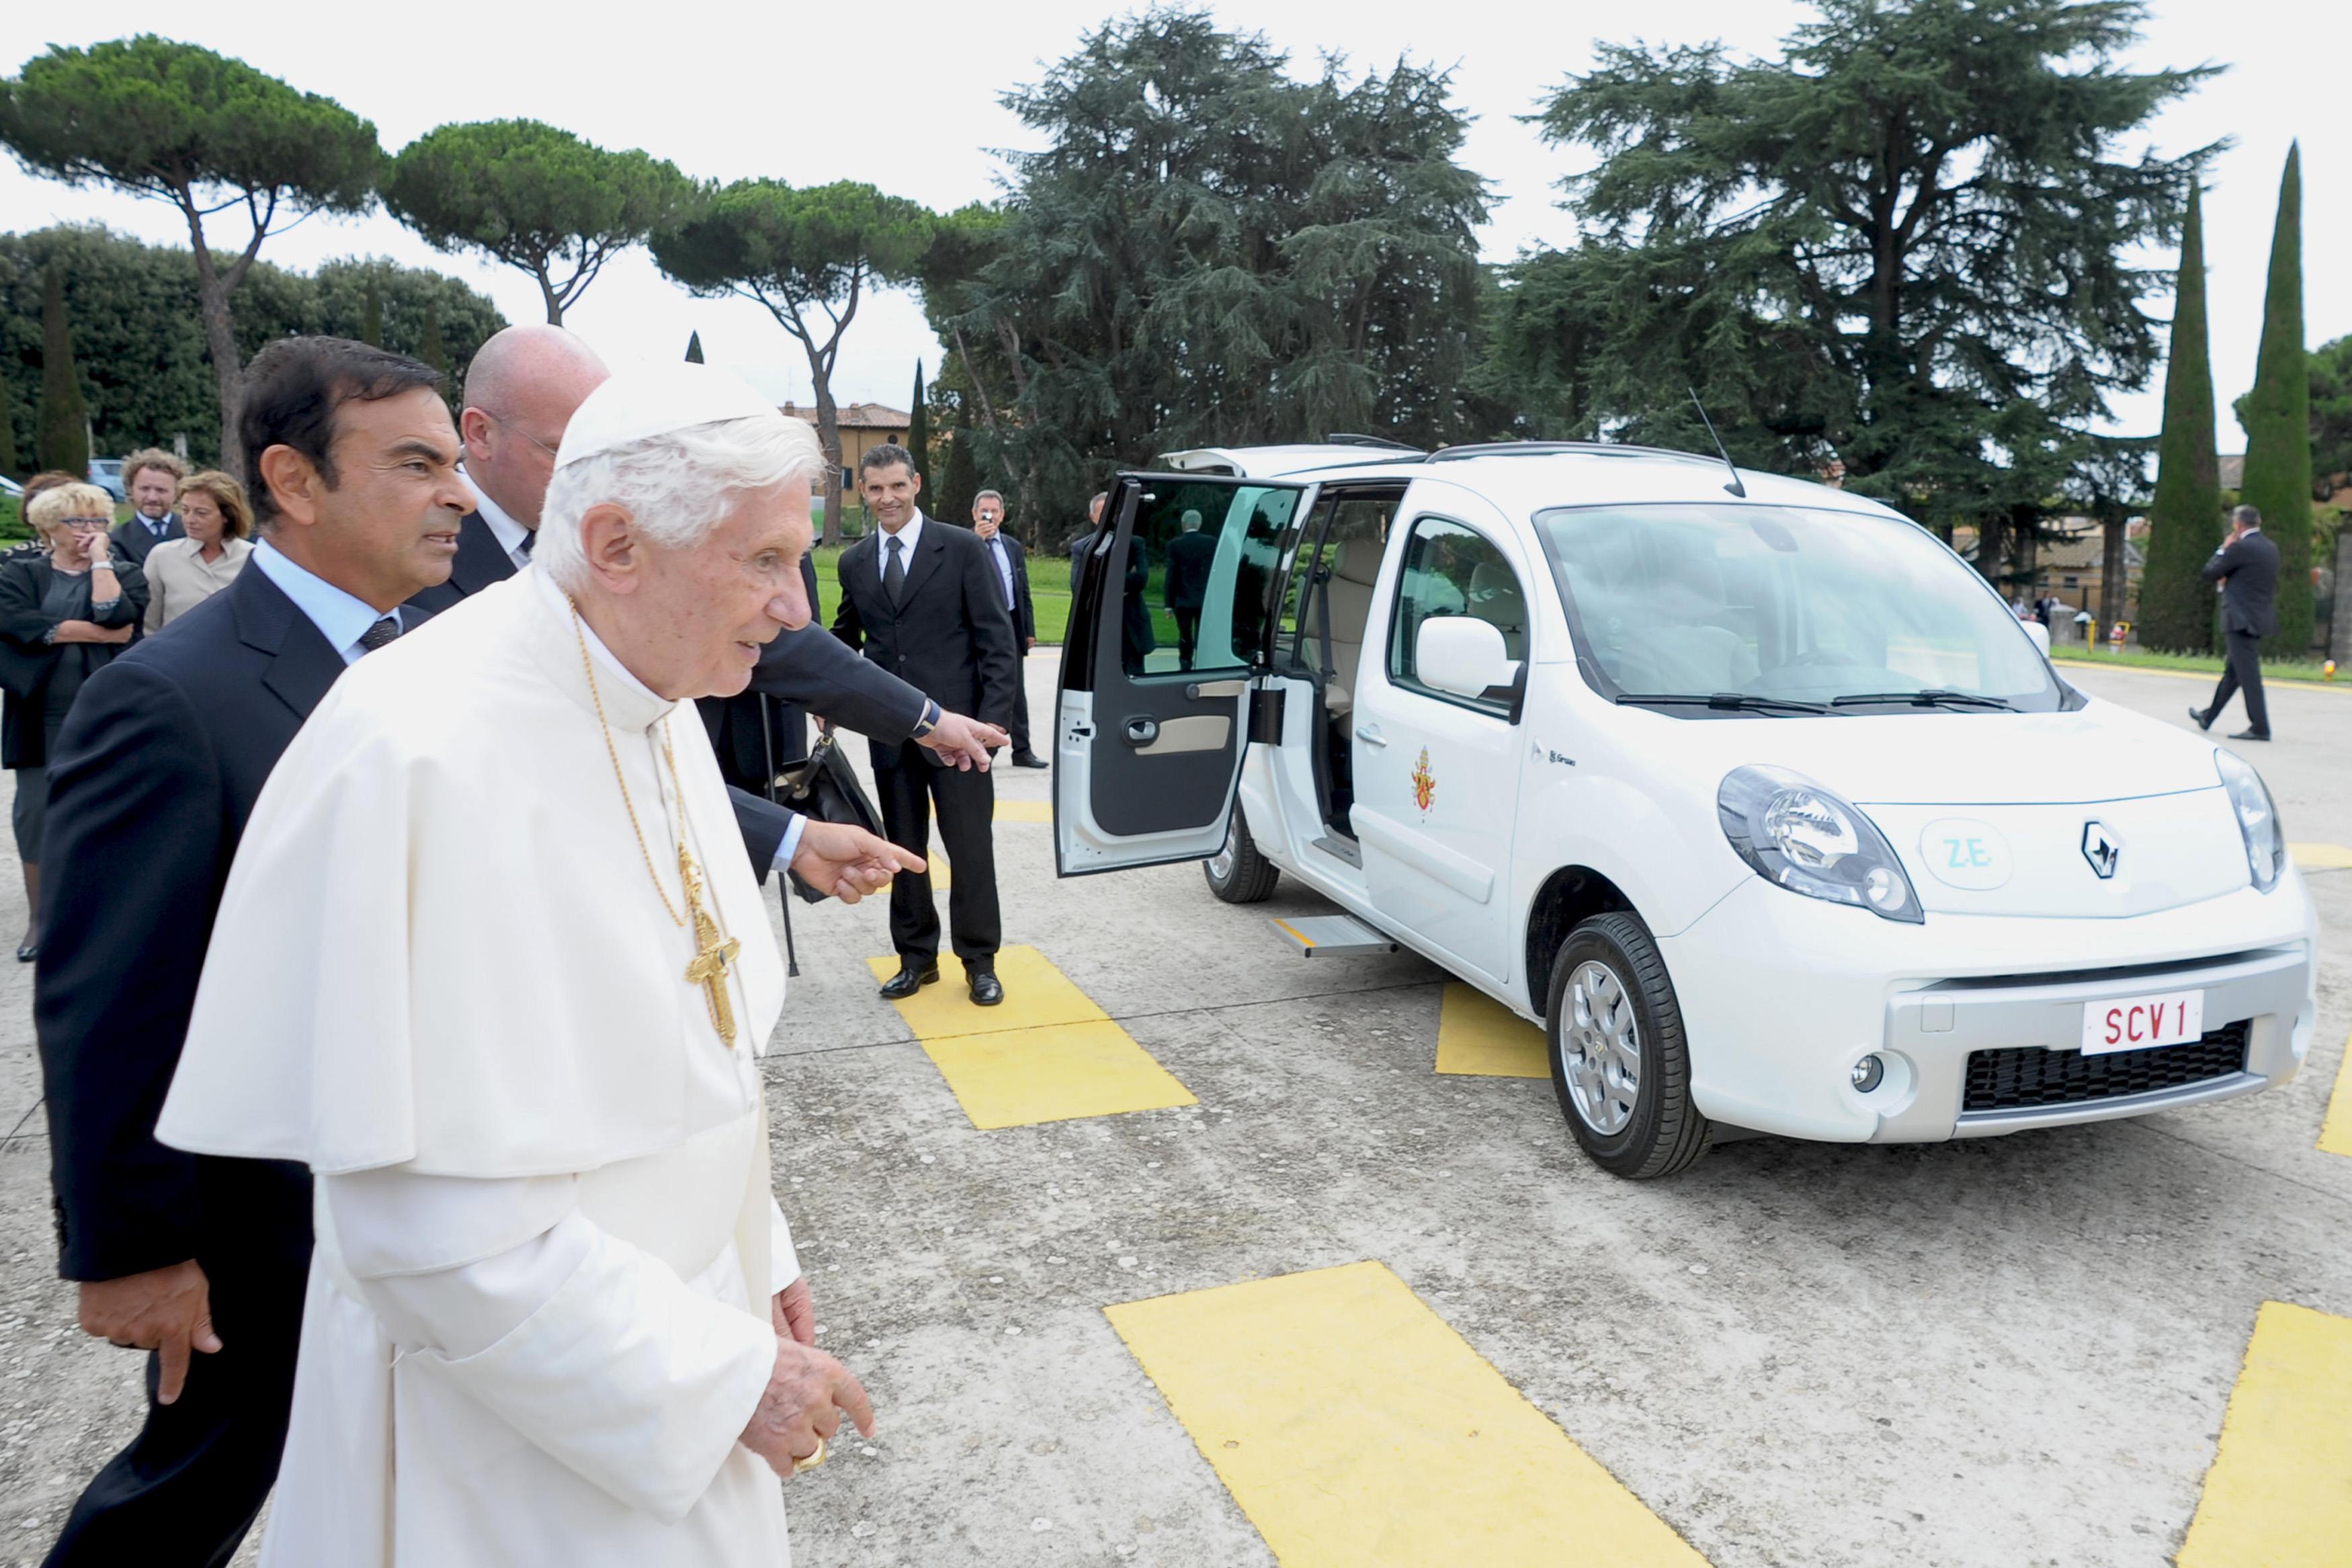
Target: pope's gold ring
(813,1460)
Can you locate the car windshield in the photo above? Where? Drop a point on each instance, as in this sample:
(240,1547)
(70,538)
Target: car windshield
(1787,605)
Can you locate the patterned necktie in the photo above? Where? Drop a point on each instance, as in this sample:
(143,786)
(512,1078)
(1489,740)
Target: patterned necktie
(894,575)
(530,537)
(377,635)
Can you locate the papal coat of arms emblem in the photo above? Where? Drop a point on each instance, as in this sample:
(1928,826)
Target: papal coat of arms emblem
(1424,782)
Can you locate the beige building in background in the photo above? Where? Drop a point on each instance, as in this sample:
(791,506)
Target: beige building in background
(864,426)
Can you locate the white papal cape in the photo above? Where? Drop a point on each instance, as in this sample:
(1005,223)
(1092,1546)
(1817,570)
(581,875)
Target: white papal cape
(538,1312)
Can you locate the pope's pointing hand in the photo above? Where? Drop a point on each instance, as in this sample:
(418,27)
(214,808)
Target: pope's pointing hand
(963,741)
(807,1393)
(848,861)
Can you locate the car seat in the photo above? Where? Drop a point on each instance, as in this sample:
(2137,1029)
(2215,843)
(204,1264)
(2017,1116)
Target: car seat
(1348,595)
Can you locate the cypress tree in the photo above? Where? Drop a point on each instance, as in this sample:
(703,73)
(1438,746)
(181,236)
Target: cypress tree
(960,484)
(9,464)
(2278,422)
(919,435)
(2184,520)
(428,347)
(65,424)
(372,315)
(694,348)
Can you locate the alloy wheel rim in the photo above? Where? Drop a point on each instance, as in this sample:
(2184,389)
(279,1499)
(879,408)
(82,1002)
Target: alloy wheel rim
(1601,1049)
(1221,864)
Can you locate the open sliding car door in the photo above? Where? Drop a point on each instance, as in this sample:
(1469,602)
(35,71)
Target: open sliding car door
(1169,612)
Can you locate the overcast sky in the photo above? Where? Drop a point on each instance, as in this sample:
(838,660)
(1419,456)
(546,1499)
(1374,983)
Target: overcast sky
(905,96)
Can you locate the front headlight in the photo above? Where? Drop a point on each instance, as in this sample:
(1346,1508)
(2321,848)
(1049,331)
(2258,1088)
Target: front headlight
(2258,823)
(1798,836)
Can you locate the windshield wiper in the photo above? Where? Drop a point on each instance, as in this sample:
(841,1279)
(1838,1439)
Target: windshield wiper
(1724,702)
(1931,697)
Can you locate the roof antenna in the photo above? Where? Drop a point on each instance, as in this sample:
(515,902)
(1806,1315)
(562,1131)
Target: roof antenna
(1735,487)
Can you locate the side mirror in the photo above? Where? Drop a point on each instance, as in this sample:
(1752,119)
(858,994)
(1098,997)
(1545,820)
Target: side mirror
(1461,654)
(2040,634)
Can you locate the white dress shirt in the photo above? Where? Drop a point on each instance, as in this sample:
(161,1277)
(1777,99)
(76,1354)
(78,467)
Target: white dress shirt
(511,536)
(340,619)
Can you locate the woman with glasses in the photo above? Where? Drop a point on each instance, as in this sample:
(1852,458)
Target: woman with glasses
(182,573)
(64,613)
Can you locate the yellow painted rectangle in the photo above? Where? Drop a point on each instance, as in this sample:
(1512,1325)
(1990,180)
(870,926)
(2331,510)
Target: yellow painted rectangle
(2280,1492)
(2322,857)
(2336,1132)
(1478,1037)
(1355,1428)
(1024,810)
(1045,1053)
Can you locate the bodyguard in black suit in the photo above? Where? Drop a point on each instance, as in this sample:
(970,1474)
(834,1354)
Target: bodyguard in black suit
(920,599)
(1010,561)
(2247,567)
(150,787)
(1191,557)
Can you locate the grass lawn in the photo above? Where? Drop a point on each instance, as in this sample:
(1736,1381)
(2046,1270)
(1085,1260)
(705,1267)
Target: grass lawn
(2303,670)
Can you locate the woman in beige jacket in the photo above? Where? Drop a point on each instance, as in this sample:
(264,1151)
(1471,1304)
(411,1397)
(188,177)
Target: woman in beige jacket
(184,573)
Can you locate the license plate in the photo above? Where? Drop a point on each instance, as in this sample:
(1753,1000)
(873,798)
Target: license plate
(2137,1023)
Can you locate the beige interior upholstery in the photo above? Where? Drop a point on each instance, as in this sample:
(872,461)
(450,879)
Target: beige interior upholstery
(1355,567)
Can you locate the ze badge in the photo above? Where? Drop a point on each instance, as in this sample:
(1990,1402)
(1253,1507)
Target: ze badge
(1424,782)
(1965,854)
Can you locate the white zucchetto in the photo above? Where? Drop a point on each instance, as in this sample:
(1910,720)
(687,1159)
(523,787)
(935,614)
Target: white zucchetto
(639,404)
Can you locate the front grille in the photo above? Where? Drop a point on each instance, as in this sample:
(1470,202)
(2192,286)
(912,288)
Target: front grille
(2020,1078)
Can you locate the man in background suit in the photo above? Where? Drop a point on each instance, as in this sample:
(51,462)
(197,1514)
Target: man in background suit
(521,390)
(1010,564)
(1191,555)
(150,479)
(921,600)
(201,1260)
(2247,567)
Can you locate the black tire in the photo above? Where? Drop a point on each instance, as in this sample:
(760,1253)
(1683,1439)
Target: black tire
(1659,1131)
(1247,876)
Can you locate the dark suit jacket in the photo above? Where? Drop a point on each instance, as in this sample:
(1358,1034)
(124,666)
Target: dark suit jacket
(481,561)
(27,662)
(800,673)
(132,539)
(949,635)
(1190,558)
(2248,572)
(1024,607)
(153,777)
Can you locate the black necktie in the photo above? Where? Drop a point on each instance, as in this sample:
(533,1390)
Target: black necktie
(377,635)
(894,575)
(530,537)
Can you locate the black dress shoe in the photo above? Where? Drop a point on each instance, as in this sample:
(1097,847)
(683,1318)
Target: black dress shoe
(28,952)
(2252,735)
(1028,759)
(2204,720)
(987,990)
(907,982)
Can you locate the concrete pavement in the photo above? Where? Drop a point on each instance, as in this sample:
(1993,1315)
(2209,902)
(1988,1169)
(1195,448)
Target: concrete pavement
(2003,1353)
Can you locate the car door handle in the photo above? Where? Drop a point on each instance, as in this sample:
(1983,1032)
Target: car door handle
(1369,733)
(1142,731)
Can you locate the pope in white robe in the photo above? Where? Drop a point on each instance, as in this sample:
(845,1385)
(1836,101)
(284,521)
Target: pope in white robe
(463,973)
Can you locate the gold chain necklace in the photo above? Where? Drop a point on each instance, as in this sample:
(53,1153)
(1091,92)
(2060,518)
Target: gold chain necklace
(715,951)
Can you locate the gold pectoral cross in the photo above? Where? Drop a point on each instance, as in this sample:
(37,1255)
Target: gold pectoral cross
(712,957)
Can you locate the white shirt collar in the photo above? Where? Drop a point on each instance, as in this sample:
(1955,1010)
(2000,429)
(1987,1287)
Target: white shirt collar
(341,619)
(907,536)
(508,533)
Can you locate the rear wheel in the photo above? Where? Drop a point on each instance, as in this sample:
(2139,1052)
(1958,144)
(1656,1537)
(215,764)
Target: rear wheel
(1237,873)
(1619,1061)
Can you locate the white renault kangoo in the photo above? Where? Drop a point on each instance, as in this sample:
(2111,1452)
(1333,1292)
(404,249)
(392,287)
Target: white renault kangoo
(1749,792)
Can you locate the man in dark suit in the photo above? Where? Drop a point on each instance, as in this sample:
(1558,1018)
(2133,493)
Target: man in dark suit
(522,387)
(1191,555)
(201,1260)
(2247,567)
(151,478)
(1010,561)
(921,600)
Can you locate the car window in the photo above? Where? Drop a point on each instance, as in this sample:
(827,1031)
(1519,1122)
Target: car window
(1200,573)
(1451,570)
(1344,538)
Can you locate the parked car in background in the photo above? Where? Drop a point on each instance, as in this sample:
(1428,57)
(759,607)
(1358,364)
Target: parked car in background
(106,472)
(1750,792)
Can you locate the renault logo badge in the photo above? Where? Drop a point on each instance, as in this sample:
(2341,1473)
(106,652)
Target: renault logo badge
(2101,849)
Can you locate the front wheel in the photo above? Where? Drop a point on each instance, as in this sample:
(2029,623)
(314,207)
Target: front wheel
(1237,873)
(1619,1061)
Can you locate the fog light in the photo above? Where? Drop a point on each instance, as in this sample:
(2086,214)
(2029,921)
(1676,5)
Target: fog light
(1868,1074)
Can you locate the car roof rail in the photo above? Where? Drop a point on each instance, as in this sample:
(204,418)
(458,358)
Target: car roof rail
(1348,438)
(1555,448)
